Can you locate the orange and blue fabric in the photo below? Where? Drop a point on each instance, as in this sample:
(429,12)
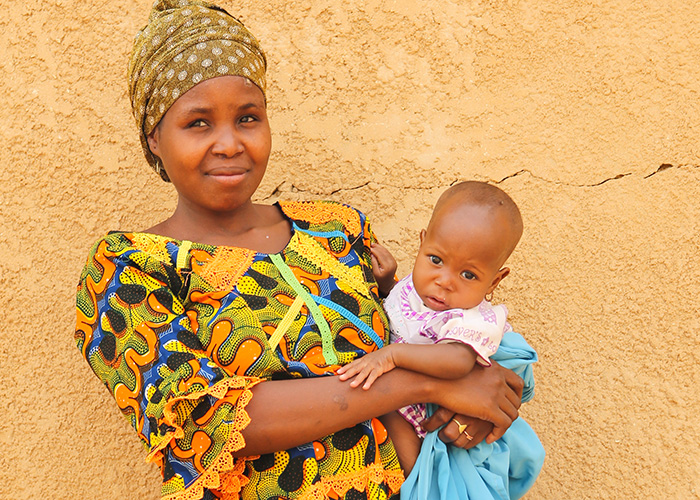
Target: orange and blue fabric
(180,332)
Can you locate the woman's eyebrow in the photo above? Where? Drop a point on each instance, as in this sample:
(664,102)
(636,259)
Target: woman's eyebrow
(198,110)
(201,110)
(250,105)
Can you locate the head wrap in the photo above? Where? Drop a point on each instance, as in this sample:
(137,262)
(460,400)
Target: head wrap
(184,43)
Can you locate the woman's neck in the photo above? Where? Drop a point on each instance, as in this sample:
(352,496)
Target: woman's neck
(262,228)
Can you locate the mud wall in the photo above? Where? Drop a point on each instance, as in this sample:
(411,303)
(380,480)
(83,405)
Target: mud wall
(586,112)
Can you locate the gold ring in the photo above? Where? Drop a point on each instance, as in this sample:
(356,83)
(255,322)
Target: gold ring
(463,429)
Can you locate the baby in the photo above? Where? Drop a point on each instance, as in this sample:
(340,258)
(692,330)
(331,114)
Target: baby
(441,317)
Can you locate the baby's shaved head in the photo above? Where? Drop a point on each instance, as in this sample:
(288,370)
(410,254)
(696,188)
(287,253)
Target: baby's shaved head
(488,196)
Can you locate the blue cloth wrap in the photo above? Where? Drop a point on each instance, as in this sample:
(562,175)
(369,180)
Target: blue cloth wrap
(503,470)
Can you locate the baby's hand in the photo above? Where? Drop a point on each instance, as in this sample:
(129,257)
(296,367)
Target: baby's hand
(383,268)
(369,367)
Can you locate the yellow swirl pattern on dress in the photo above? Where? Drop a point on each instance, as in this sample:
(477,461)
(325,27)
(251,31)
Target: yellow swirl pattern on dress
(313,251)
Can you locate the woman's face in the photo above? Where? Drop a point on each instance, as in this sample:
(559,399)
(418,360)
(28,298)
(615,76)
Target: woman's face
(214,143)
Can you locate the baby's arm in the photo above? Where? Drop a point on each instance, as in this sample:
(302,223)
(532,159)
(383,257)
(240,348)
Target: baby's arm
(445,360)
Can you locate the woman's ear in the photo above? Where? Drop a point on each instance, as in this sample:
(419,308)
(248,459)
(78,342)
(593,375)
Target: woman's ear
(497,279)
(153,139)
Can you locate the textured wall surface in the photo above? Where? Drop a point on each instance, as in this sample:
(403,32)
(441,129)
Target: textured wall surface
(586,112)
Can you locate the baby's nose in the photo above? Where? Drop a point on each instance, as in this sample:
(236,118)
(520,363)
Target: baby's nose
(444,281)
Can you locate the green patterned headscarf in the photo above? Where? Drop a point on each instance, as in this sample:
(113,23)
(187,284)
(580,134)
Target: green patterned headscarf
(184,43)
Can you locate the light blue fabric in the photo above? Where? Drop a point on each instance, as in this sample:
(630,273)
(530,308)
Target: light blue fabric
(503,470)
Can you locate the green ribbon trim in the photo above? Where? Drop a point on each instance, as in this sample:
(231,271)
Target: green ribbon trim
(326,336)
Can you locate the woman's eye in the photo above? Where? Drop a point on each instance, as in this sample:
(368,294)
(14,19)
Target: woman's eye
(435,259)
(467,275)
(247,119)
(197,123)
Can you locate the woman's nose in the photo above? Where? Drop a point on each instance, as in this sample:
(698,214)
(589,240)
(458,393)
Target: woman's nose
(226,142)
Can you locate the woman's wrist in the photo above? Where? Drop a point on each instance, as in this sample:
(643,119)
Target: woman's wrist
(424,389)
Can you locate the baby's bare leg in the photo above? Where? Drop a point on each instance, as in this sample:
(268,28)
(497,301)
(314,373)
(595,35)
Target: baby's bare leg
(406,441)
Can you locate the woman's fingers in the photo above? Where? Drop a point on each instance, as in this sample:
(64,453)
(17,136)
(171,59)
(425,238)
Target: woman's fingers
(510,410)
(473,433)
(475,428)
(487,393)
(489,397)
(515,383)
(513,393)
(438,419)
(478,430)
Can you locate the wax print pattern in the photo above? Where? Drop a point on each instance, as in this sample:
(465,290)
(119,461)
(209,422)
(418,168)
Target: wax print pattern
(180,332)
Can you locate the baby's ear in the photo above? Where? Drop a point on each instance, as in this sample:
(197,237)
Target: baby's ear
(422,236)
(502,273)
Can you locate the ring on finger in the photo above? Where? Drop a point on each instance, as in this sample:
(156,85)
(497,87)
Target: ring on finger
(462,428)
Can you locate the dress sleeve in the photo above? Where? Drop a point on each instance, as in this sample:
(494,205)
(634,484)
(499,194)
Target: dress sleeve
(481,328)
(141,341)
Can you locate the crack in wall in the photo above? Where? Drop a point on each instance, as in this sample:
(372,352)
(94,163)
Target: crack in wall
(559,183)
(661,168)
(294,189)
(351,189)
(278,190)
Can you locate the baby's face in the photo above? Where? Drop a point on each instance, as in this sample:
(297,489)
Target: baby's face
(459,260)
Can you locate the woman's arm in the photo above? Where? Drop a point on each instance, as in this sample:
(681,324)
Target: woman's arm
(288,413)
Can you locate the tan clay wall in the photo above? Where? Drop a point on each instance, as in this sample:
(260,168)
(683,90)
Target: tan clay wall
(587,112)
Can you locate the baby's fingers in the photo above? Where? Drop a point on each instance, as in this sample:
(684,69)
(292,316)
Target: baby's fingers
(373,375)
(382,257)
(348,371)
(364,374)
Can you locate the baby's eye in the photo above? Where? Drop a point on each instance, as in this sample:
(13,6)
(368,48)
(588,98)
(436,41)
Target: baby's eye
(435,259)
(467,275)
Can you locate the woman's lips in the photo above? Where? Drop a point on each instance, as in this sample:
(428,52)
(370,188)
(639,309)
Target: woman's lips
(227,171)
(227,174)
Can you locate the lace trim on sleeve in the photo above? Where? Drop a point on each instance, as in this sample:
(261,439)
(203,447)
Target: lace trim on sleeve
(226,471)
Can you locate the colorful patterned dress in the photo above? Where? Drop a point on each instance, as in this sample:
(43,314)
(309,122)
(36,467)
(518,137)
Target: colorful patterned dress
(179,333)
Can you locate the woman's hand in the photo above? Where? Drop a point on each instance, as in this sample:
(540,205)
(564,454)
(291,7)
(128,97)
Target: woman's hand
(490,393)
(477,429)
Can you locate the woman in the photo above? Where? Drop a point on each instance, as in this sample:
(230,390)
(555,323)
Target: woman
(219,330)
